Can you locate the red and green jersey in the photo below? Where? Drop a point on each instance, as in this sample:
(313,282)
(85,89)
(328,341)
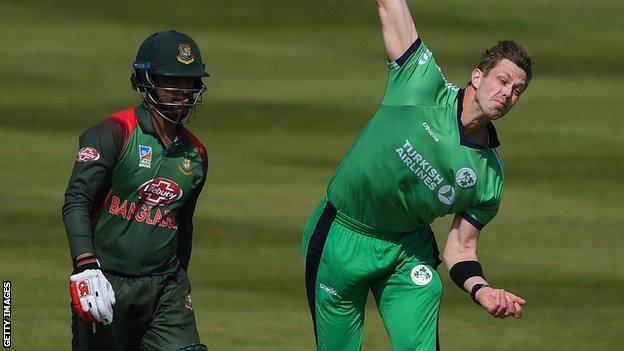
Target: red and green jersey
(130,200)
(412,163)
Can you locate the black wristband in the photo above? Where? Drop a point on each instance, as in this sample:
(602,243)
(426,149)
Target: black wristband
(473,292)
(461,271)
(84,263)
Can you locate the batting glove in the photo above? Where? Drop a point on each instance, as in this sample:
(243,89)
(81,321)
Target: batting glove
(92,295)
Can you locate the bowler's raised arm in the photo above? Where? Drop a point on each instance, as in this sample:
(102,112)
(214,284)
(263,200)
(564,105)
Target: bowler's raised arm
(397,26)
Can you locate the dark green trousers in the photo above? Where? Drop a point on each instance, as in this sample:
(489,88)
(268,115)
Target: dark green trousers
(151,313)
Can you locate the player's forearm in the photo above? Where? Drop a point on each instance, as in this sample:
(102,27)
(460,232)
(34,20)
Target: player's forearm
(185,242)
(397,26)
(459,248)
(460,255)
(79,231)
(456,254)
(185,228)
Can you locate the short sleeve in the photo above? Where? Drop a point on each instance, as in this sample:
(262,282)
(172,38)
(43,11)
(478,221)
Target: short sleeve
(490,196)
(483,214)
(415,79)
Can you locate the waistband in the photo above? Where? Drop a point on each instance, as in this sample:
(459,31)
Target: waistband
(362,228)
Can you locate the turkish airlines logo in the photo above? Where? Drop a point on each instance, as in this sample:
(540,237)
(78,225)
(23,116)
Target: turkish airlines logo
(446,195)
(87,154)
(159,192)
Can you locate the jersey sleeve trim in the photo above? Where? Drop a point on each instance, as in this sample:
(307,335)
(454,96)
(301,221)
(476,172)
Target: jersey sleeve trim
(398,63)
(475,223)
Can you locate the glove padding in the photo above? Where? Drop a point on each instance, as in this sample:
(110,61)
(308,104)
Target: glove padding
(92,296)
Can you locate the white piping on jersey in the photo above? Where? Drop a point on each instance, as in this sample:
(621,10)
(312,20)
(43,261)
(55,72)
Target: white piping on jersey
(500,163)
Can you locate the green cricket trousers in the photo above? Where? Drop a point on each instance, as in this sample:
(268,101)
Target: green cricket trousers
(151,313)
(344,259)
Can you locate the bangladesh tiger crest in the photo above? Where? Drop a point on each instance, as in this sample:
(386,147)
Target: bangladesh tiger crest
(185,55)
(186,167)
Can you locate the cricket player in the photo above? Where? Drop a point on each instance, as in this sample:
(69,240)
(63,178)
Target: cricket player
(129,206)
(429,151)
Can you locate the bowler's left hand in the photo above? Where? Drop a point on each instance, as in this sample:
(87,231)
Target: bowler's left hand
(500,303)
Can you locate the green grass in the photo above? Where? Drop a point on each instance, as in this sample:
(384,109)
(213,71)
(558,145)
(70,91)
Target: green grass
(293,82)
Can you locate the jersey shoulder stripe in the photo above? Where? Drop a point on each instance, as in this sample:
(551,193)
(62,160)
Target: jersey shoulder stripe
(127,120)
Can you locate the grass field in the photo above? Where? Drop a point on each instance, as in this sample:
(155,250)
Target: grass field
(292,84)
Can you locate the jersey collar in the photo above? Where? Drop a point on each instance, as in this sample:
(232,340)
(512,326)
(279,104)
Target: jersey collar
(146,124)
(145,120)
(493,137)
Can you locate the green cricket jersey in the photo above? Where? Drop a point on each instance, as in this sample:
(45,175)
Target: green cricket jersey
(411,163)
(130,200)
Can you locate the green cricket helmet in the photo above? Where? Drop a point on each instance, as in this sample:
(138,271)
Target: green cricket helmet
(169,54)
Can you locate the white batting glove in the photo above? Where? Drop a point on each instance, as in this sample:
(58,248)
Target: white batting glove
(92,296)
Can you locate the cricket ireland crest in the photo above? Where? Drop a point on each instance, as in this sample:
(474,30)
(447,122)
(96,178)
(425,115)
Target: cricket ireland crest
(421,275)
(466,177)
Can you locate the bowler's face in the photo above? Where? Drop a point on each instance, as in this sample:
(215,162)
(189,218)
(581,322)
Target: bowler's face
(499,90)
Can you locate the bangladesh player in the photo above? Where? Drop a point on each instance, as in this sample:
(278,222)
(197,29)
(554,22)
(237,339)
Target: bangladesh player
(129,207)
(429,151)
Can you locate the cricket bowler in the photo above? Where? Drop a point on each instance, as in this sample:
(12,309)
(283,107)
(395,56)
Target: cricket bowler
(129,207)
(428,151)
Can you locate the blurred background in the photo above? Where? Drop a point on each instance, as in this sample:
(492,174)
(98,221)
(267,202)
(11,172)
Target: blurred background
(292,84)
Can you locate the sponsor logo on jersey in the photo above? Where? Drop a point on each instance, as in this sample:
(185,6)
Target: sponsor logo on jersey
(419,165)
(466,177)
(446,195)
(421,275)
(87,154)
(424,57)
(145,156)
(159,192)
(185,55)
(430,131)
(328,289)
(186,167)
(143,213)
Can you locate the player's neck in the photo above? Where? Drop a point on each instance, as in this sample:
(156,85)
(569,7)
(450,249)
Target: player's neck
(473,119)
(165,129)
